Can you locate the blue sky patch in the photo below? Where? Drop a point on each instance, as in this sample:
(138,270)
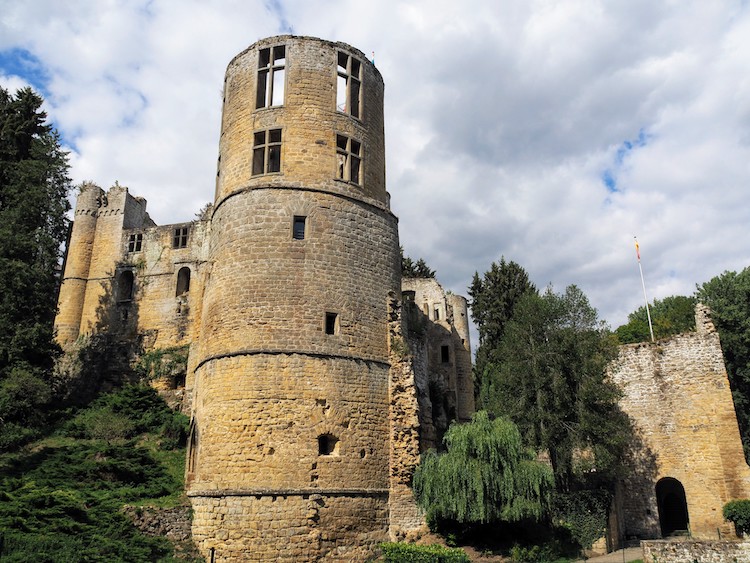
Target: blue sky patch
(609,176)
(24,64)
(277,9)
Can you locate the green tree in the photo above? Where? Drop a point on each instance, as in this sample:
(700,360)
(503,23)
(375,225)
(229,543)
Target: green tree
(485,475)
(411,269)
(671,315)
(34,184)
(728,296)
(550,380)
(493,299)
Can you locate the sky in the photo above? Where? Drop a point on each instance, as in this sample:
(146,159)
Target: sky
(548,132)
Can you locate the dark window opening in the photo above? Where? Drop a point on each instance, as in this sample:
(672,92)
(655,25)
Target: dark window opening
(180,238)
(328,445)
(331,323)
(267,152)
(672,504)
(445,355)
(192,447)
(298,227)
(183,281)
(125,285)
(135,242)
(348,159)
(271,76)
(349,85)
(437,313)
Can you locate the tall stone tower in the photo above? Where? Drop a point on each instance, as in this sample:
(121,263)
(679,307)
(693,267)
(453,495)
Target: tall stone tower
(289,449)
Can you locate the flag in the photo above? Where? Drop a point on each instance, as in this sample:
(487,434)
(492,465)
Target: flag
(637,250)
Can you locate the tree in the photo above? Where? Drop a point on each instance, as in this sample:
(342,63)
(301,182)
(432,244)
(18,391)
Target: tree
(728,296)
(485,475)
(671,315)
(493,300)
(34,184)
(549,379)
(411,269)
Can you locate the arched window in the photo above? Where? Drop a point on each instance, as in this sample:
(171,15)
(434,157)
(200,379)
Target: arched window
(125,284)
(183,281)
(673,512)
(328,444)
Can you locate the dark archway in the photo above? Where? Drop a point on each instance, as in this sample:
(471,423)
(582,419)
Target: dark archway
(125,286)
(183,281)
(673,511)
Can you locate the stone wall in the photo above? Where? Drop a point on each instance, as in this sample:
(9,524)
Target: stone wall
(677,394)
(695,551)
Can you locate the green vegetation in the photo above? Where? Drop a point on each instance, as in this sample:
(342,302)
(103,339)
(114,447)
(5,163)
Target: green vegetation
(33,201)
(738,513)
(410,553)
(61,497)
(411,269)
(669,316)
(484,476)
(728,296)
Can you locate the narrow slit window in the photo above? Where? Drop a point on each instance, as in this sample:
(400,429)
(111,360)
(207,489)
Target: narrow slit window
(180,238)
(348,159)
(349,85)
(445,354)
(332,322)
(437,313)
(298,227)
(135,242)
(266,152)
(271,77)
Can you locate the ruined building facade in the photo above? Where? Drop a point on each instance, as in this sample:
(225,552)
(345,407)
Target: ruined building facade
(308,391)
(687,460)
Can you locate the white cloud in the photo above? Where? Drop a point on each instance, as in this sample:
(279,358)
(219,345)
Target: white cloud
(501,121)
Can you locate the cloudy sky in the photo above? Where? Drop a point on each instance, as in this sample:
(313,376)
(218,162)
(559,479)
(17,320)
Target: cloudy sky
(550,132)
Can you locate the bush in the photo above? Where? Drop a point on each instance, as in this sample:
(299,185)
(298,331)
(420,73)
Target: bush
(410,553)
(583,514)
(738,512)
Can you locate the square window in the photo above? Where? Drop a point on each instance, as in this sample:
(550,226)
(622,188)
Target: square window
(266,152)
(135,242)
(298,227)
(180,238)
(348,159)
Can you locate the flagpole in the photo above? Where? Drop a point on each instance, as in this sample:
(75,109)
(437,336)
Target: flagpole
(643,284)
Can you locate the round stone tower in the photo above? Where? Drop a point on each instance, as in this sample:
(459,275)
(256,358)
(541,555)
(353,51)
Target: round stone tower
(289,448)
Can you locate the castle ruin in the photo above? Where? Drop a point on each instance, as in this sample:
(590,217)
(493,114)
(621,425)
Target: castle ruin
(307,404)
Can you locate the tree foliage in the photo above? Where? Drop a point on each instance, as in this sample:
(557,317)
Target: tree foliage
(493,299)
(728,296)
(33,201)
(669,316)
(412,269)
(549,378)
(485,475)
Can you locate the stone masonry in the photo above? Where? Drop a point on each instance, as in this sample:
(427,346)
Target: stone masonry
(306,411)
(677,394)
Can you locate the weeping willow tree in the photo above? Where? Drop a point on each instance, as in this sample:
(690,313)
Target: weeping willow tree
(486,475)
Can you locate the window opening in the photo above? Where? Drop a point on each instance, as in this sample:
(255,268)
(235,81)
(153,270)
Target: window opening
(183,281)
(298,227)
(125,284)
(445,355)
(267,152)
(349,85)
(437,313)
(349,159)
(134,242)
(672,504)
(328,444)
(271,73)
(331,323)
(180,238)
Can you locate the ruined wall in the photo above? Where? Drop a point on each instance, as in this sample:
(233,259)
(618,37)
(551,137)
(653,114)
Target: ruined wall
(677,394)
(438,335)
(659,551)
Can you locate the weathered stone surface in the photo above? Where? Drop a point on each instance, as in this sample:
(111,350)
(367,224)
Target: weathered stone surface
(656,551)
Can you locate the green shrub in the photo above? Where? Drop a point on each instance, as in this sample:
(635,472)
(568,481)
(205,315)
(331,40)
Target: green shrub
(738,512)
(583,514)
(410,553)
